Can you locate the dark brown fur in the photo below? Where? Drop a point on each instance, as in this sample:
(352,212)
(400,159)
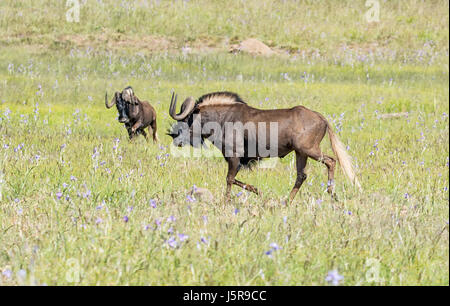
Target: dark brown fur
(135,114)
(142,115)
(299,129)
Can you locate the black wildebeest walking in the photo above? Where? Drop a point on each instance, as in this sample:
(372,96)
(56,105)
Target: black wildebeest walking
(297,129)
(134,113)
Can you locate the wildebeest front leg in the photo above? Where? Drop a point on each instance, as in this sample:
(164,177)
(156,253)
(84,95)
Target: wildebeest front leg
(144,133)
(130,133)
(136,126)
(247,187)
(233,168)
(134,130)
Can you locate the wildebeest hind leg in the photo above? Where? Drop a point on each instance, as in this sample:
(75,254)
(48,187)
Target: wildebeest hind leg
(153,128)
(301,176)
(330,162)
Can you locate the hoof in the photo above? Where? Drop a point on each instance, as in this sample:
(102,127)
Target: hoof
(334,197)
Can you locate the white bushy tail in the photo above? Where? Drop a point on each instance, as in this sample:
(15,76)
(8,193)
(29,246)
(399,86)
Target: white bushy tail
(344,159)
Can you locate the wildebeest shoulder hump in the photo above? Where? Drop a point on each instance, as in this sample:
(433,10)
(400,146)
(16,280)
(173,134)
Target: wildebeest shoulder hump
(219,98)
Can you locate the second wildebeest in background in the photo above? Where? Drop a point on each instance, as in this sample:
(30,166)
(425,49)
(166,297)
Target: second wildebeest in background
(134,113)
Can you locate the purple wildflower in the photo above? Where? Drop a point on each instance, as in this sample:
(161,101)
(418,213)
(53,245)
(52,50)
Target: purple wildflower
(7,273)
(172,242)
(18,148)
(152,203)
(334,277)
(86,194)
(189,198)
(182,237)
(275,246)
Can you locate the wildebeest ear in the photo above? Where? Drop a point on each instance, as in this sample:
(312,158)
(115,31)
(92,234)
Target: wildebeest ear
(134,99)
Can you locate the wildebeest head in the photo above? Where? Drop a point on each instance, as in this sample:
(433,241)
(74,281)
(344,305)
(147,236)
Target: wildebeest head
(183,131)
(123,101)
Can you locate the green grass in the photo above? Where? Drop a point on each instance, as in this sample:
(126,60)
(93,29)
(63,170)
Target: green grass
(396,229)
(295,25)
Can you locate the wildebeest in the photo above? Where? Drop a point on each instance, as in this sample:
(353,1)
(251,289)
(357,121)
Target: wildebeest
(296,129)
(134,113)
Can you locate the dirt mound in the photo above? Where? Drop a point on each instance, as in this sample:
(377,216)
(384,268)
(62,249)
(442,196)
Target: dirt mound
(252,46)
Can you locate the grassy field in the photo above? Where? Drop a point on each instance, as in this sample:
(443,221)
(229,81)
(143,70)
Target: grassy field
(80,204)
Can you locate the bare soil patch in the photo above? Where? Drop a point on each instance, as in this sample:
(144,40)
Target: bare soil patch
(118,41)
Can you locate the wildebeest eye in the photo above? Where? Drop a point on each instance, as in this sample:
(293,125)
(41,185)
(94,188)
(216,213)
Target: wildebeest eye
(174,131)
(178,129)
(171,134)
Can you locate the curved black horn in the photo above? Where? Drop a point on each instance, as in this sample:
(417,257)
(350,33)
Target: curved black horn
(113,100)
(171,110)
(187,106)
